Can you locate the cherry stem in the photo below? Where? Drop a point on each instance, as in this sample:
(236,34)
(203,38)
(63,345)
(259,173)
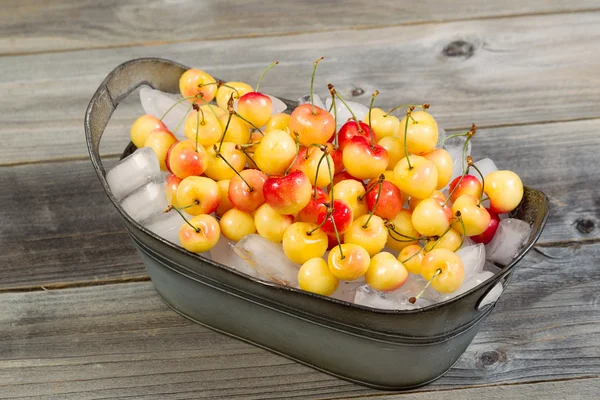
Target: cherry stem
(465,170)
(249,123)
(371,187)
(336,140)
(297,138)
(330,178)
(470,164)
(414,255)
(234,170)
(462,237)
(243,150)
(337,237)
(182,216)
(329,212)
(312,84)
(392,228)
(219,84)
(423,106)
(413,300)
(325,153)
(440,238)
(405,136)
(172,207)
(380,182)
(177,102)
(375,93)
(230,109)
(334,92)
(198,123)
(274,63)
(441,142)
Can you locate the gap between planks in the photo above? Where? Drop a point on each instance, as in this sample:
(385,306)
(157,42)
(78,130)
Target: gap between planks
(296,33)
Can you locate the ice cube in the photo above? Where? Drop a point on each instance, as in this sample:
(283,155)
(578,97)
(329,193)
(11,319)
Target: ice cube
(485,166)
(455,147)
(412,287)
(473,258)
(278,105)
(347,290)
(441,134)
(467,241)
(468,285)
(343,114)
(157,103)
(146,202)
(508,240)
(490,267)
(223,253)
(268,259)
(369,297)
(132,172)
(167,225)
(306,100)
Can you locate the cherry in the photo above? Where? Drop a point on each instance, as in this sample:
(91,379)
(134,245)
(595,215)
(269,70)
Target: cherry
(302,241)
(490,231)
(351,129)
(445,270)
(236,224)
(350,263)
(199,234)
(339,213)
(505,190)
(314,276)
(288,194)
(142,127)
(385,272)
(317,201)
(384,199)
(203,192)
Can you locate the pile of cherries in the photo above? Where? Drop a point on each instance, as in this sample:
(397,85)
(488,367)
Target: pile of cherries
(359,192)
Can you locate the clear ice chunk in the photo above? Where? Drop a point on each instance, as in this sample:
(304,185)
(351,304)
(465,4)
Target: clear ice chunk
(412,287)
(473,258)
(268,259)
(278,105)
(167,225)
(455,147)
(146,202)
(490,267)
(132,172)
(157,103)
(476,280)
(306,100)
(369,297)
(343,114)
(223,253)
(508,240)
(347,290)
(485,166)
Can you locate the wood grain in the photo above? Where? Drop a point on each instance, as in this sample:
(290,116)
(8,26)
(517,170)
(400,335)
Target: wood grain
(510,71)
(59,25)
(121,341)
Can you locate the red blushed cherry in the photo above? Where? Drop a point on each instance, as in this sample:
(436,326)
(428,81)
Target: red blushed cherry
(343,176)
(310,213)
(489,233)
(256,108)
(468,185)
(351,129)
(364,159)
(341,214)
(288,194)
(390,199)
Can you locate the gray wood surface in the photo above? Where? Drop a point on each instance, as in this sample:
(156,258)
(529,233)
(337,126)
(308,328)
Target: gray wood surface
(78,317)
(121,341)
(54,25)
(501,72)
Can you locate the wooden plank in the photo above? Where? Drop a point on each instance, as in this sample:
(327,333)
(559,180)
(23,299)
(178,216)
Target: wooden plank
(30,26)
(58,222)
(508,71)
(121,341)
(577,389)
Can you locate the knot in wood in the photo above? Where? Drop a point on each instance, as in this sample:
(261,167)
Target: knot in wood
(490,358)
(585,225)
(357,92)
(459,48)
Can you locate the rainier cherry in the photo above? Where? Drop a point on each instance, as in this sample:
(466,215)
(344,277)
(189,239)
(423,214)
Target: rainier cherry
(171,189)
(185,159)
(203,193)
(310,213)
(279,121)
(238,131)
(413,202)
(236,224)
(353,193)
(412,258)
(445,270)
(223,163)
(255,107)
(339,213)
(450,240)
(199,234)
(475,218)
(160,140)
(384,125)
(421,132)
(348,261)
(343,176)
(246,190)
(417,179)
(364,159)
(505,190)
(288,194)
(394,148)
(313,159)
(385,272)
(369,232)
(224,204)
(490,231)
(431,217)
(195,82)
(237,89)
(302,241)
(469,184)
(401,232)
(351,129)
(270,224)
(275,152)
(384,199)
(443,163)
(311,123)
(314,276)
(203,126)
(142,127)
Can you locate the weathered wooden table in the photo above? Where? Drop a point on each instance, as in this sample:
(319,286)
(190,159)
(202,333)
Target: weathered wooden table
(79,318)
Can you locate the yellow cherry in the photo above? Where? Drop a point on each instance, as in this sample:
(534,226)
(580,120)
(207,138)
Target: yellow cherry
(224,204)
(352,192)
(301,242)
(475,217)
(422,132)
(419,179)
(270,224)
(314,276)
(371,236)
(385,272)
(238,89)
(431,217)
(443,163)
(275,153)
(236,224)
(402,224)
(395,149)
(412,258)
(201,191)
(218,169)
(451,240)
(238,131)
(205,125)
(505,190)
(142,127)
(451,272)
(279,121)
(160,140)
(195,82)
(383,125)
(202,237)
(352,265)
